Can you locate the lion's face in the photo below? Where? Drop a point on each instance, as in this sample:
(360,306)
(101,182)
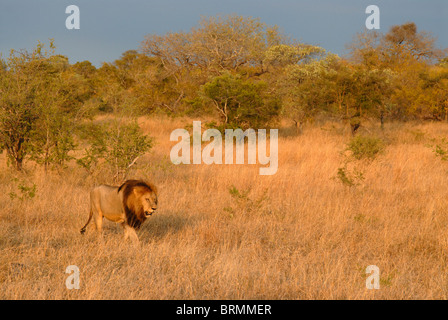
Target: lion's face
(147,200)
(149,203)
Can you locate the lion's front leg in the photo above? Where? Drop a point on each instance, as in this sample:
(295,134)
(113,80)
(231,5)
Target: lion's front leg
(129,232)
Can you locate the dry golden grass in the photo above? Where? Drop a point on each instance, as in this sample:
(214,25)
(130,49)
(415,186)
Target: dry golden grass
(299,234)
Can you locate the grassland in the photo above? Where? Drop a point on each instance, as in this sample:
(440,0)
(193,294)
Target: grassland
(225,232)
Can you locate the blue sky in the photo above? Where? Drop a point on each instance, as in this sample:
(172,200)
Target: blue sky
(110,27)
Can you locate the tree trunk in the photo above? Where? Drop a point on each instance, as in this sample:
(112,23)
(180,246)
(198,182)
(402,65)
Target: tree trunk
(19,164)
(15,154)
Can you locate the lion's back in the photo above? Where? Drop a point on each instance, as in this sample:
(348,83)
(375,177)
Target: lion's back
(107,199)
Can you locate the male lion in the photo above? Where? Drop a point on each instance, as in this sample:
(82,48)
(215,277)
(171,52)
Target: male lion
(129,204)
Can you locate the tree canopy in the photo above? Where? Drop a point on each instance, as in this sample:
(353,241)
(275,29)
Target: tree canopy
(237,70)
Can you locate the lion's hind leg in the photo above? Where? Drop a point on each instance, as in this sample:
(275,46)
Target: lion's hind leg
(98,219)
(96,213)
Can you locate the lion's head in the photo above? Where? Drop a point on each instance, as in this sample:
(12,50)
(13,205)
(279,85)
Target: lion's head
(139,201)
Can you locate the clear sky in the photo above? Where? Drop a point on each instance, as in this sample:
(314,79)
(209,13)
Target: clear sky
(110,27)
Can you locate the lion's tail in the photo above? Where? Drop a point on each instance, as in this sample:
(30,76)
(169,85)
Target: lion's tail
(83,229)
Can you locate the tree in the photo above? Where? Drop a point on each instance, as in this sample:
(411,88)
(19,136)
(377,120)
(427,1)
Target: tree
(240,103)
(20,84)
(394,63)
(311,88)
(400,46)
(403,42)
(371,90)
(215,46)
(433,92)
(228,43)
(40,102)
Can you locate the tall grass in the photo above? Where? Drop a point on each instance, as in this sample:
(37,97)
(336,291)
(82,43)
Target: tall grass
(225,232)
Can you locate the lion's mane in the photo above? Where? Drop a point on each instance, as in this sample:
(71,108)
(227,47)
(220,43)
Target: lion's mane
(135,215)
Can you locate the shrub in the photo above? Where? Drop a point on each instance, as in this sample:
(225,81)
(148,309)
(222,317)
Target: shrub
(440,148)
(243,203)
(26,192)
(119,144)
(348,178)
(365,147)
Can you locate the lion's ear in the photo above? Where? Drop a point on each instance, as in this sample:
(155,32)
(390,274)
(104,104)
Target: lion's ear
(152,187)
(137,191)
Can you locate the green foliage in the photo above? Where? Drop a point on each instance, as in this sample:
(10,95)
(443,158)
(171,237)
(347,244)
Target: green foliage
(365,147)
(243,203)
(241,103)
(53,141)
(19,90)
(360,147)
(125,144)
(349,178)
(314,87)
(40,101)
(26,192)
(281,55)
(119,144)
(440,149)
(239,195)
(94,135)
(441,152)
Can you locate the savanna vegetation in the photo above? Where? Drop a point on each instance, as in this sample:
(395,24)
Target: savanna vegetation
(361,178)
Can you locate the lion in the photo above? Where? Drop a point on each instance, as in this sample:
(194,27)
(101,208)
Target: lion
(129,204)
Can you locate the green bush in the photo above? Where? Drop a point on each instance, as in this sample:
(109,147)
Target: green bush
(119,143)
(243,203)
(348,178)
(365,147)
(26,192)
